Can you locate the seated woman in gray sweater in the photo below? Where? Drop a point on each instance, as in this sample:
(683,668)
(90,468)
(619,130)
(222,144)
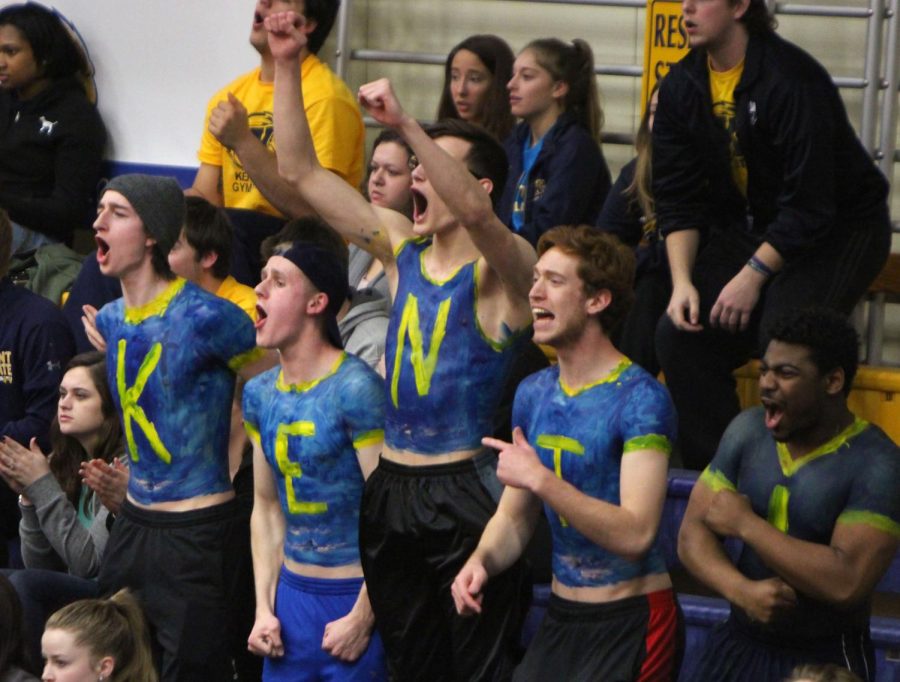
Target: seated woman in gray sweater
(65,525)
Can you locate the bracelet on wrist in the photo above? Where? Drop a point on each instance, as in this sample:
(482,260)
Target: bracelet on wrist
(759,266)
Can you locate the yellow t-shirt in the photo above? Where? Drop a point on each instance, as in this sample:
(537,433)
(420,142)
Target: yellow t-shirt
(334,121)
(240,294)
(721,87)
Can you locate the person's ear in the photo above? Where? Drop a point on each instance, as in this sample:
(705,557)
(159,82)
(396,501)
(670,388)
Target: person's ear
(598,302)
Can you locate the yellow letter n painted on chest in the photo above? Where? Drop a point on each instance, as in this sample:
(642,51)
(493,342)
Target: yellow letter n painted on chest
(558,445)
(423,365)
(129,396)
(292,470)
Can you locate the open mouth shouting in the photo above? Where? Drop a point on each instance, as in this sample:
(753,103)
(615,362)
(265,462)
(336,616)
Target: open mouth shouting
(261,316)
(541,314)
(258,20)
(102,250)
(774,412)
(420,206)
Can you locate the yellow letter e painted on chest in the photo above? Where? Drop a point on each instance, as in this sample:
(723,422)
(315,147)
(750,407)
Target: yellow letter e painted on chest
(291,469)
(558,445)
(423,366)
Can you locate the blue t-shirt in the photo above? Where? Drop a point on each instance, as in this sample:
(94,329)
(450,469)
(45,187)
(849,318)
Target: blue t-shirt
(583,435)
(445,378)
(171,365)
(529,156)
(853,478)
(310,434)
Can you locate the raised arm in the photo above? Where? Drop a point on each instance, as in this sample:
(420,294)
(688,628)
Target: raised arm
(372,228)
(229,124)
(467,197)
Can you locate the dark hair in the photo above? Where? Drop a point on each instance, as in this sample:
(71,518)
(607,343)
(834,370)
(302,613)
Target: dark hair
(758,19)
(385,136)
(498,58)
(208,230)
(12,643)
(55,48)
(68,454)
(573,64)
(111,627)
(5,242)
(830,338)
(159,259)
(603,263)
(486,157)
(310,230)
(323,12)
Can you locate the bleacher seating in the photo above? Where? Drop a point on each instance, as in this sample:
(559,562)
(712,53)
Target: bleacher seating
(702,612)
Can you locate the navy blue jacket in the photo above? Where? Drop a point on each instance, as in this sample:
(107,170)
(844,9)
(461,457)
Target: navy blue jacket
(808,175)
(35,346)
(567,185)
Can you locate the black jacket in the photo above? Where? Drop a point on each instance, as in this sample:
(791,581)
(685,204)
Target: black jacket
(51,148)
(567,185)
(807,172)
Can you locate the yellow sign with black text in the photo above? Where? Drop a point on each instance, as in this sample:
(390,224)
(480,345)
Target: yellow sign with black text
(665,42)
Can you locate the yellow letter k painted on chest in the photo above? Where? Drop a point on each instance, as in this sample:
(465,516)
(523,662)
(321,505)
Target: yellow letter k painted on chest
(129,396)
(558,445)
(423,365)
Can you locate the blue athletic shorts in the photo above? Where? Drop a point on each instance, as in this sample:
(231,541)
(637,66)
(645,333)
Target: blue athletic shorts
(304,606)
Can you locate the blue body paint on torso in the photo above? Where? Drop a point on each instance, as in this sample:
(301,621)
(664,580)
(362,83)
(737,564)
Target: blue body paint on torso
(582,437)
(168,369)
(310,435)
(444,377)
(854,478)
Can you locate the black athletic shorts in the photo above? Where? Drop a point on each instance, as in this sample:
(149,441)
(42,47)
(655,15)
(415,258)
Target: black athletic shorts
(181,567)
(418,526)
(636,639)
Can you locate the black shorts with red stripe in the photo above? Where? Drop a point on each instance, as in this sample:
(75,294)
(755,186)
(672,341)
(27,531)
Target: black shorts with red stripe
(637,639)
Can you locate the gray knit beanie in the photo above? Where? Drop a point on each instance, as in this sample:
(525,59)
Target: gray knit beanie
(158,201)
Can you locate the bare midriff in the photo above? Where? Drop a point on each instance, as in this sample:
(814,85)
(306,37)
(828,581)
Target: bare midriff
(326,572)
(417,459)
(190,504)
(607,593)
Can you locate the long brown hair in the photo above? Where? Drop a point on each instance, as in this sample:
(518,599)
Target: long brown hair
(497,56)
(68,454)
(640,188)
(111,627)
(573,64)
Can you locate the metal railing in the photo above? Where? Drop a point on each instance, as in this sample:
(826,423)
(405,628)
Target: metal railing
(880,81)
